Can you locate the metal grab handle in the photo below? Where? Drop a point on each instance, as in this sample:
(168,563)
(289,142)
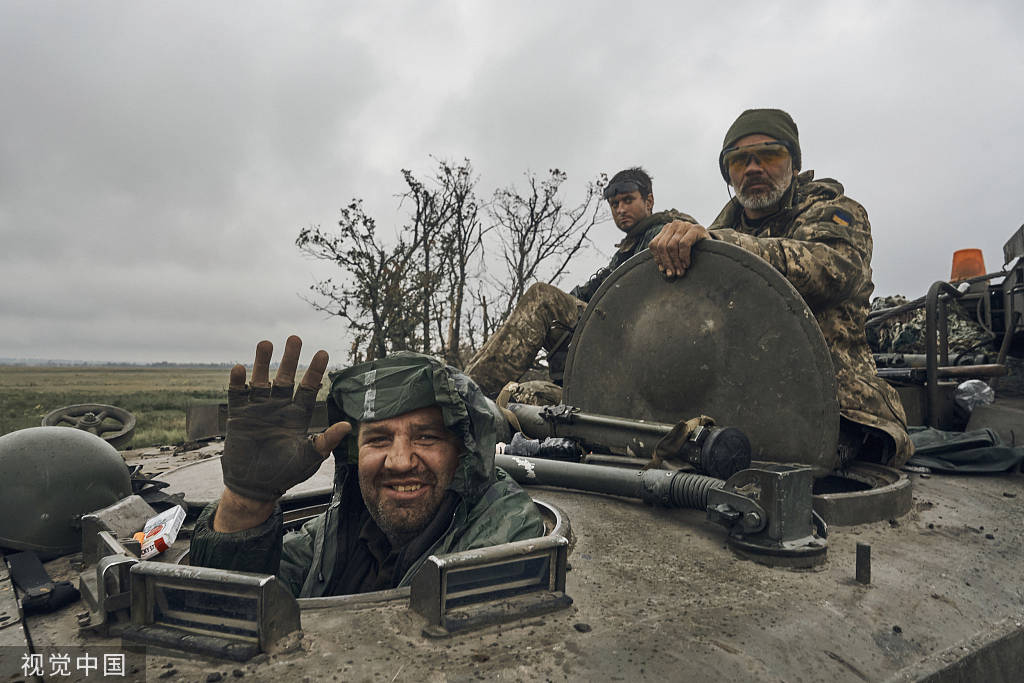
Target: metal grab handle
(931,333)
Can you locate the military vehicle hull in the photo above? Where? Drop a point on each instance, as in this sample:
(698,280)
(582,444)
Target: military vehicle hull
(657,595)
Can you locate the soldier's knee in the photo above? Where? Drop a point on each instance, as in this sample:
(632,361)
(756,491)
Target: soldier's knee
(541,291)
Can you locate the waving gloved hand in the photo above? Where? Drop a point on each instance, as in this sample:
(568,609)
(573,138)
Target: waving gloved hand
(267,450)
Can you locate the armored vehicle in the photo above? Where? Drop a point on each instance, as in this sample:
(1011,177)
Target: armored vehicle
(778,569)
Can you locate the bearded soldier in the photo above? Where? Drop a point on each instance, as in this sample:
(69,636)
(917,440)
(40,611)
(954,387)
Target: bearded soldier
(413,442)
(820,240)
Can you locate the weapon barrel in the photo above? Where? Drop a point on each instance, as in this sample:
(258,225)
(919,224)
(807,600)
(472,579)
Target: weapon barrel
(613,481)
(656,487)
(989,370)
(944,372)
(592,430)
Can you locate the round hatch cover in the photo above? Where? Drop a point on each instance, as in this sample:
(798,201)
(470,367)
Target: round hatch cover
(732,340)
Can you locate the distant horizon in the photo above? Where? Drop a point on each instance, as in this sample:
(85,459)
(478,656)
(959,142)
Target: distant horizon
(65,362)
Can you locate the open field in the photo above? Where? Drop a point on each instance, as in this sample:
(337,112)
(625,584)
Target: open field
(156,396)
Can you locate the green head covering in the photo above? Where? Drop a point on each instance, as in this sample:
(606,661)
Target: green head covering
(773,122)
(407,381)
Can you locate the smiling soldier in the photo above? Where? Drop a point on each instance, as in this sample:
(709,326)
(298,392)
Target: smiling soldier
(413,441)
(820,240)
(545,316)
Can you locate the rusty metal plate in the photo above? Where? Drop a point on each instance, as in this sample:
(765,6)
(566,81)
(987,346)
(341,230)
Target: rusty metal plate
(202,482)
(732,340)
(205,419)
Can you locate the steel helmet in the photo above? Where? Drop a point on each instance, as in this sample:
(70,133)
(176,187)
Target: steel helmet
(53,476)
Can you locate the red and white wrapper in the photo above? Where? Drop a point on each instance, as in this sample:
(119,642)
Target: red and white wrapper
(161,531)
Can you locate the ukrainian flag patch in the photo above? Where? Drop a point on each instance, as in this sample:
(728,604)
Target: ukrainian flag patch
(841,217)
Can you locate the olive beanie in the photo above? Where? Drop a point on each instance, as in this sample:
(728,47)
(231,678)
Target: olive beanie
(773,122)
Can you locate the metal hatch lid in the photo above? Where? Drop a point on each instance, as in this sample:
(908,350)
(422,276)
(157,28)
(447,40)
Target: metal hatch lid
(731,339)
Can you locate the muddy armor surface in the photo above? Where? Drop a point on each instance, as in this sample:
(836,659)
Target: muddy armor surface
(821,242)
(545,313)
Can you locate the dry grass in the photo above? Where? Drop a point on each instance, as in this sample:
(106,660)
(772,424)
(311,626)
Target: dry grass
(156,396)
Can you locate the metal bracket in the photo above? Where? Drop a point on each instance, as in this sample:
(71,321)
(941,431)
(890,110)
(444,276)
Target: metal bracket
(770,515)
(477,588)
(737,512)
(214,612)
(560,414)
(12,631)
(225,614)
(106,588)
(121,519)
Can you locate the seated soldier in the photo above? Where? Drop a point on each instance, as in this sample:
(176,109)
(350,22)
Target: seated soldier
(820,240)
(413,441)
(545,316)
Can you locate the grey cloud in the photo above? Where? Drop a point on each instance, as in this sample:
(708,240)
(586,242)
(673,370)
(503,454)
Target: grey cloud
(165,156)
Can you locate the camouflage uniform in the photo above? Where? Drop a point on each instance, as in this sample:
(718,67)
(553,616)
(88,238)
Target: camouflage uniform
(540,320)
(821,242)
(545,313)
(904,333)
(536,392)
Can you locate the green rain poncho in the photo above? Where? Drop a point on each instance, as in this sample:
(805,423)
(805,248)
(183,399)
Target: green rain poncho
(339,551)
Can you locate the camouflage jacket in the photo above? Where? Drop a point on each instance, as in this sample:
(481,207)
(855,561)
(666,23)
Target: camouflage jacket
(490,508)
(631,245)
(821,242)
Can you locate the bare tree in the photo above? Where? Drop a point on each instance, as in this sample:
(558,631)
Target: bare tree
(539,234)
(461,241)
(427,222)
(411,295)
(426,291)
(378,293)
(447,233)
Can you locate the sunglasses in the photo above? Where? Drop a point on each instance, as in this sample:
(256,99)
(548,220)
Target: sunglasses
(736,158)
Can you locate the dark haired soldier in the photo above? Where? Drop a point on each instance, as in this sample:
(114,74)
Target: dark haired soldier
(820,240)
(545,315)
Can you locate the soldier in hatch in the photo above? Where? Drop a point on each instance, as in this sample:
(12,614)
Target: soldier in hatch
(413,442)
(545,315)
(820,240)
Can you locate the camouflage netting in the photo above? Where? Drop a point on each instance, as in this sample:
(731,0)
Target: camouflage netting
(904,332)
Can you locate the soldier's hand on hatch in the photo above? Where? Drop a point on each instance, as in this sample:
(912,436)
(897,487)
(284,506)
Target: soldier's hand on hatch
(671,247)
(267,450)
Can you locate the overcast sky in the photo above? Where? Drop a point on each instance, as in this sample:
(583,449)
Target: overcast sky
(158,159)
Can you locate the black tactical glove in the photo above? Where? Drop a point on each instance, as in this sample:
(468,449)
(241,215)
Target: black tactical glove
(267,450)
